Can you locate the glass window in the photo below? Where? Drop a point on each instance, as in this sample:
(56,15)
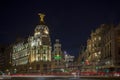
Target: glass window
(99,38)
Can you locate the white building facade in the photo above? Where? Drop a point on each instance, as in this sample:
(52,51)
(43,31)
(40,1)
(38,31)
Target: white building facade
(34,53)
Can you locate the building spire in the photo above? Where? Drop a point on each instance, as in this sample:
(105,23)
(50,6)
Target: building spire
(41,17)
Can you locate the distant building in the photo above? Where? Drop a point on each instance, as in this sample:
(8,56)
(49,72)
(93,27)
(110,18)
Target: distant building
(57,56)
(34,53)
(103,49)
(111,49)
(94,49)
(69,61)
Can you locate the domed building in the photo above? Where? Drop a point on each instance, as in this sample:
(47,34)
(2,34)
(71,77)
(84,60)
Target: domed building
(34,53)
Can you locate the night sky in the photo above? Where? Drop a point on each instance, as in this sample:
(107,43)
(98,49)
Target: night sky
(71,21)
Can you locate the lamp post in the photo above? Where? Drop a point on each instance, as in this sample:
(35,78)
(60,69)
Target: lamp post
(30,68)
(15,70)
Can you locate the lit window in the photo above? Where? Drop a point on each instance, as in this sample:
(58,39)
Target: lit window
(46,32)
(41,58)
(95,38)
(93,45)
(99,52)
(37,33)
(95,54)
(33,44)
(37,58)
(99,38)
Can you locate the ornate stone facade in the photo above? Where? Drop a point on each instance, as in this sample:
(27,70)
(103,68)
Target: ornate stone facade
(103,49)
(34,53)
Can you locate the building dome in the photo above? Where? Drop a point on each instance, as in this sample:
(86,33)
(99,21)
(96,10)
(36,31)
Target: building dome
(41,28)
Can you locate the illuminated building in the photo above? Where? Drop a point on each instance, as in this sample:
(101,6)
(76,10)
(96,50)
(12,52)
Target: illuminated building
(103,49)
(94,48)
(20,55)
(91,56)
(34,53)
(69,61)
(57,56)
(111,49)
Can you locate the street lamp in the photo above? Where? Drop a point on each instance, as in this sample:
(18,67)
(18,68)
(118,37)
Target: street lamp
(30,68)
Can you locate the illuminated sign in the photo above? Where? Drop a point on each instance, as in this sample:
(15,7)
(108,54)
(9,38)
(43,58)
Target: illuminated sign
(57,57)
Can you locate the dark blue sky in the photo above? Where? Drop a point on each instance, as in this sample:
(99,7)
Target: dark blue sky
(71,21)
